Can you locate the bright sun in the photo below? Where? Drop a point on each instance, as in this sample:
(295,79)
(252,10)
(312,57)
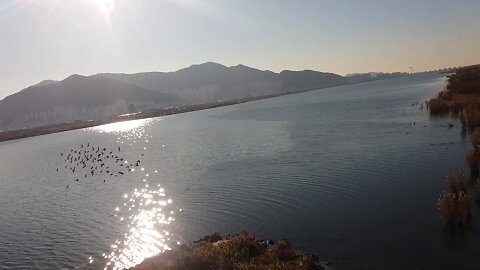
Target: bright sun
(105,6)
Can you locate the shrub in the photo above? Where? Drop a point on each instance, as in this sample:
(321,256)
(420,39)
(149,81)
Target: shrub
(438,106)
(454,208)
(446,206)
(461,116)
(472,115)
(462,208)
(456,182)
(475,140)
(472,160)
(462,94)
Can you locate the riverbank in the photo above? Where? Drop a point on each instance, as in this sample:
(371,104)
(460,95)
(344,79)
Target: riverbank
(461,97)
(240,251)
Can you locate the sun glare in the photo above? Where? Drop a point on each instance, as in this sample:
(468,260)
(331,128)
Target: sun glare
(122,126)
(105,6)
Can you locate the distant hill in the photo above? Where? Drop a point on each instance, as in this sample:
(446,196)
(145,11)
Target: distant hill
(94,97)
(210,82)
(76,98)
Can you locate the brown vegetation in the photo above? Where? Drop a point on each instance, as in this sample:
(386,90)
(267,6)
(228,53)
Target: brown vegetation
(456,182)
(472,160)
(242,251)
(454,208)
(446,205)
(461,97)
(472,156)
(475,140)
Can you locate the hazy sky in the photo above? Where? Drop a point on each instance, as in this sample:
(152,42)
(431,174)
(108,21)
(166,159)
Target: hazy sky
(51,39)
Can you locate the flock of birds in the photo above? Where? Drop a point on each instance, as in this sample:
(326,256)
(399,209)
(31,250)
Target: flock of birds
(89,161)
(421,106)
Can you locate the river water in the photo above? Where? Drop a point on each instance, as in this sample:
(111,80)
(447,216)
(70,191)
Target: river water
(349,173)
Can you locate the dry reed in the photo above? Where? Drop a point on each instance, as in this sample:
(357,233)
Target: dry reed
(456,182)
(472,160)
(475,140)
(446,206)
(461,96)
(463,208)
(454,208)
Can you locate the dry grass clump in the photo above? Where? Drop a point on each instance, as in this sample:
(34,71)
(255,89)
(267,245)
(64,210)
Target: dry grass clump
(472,160)
(465,80)
(472,156)
(456,182)
(476,190)
(462,95)
(472,115)
(454,104)
(446,205)
(454,208)
(461,98)
(475,140)
(242,251)
(437,105)
(461,117)
(463,208)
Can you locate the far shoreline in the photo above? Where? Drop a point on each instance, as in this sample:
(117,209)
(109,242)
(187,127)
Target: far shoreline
(152,113)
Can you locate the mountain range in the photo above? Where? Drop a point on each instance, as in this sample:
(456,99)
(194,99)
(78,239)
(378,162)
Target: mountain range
(98,96)
(210,82)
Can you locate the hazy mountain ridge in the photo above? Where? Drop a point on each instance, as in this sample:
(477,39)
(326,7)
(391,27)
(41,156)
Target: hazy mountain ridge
(210,82)
(309,79)
(45,82)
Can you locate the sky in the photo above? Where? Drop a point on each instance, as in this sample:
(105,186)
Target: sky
(52,39)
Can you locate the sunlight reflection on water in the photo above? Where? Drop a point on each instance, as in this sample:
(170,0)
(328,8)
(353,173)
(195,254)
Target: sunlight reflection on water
(146,211)
(149,216)
(124,126)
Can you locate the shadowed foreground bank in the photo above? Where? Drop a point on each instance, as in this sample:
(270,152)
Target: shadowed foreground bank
(241,251)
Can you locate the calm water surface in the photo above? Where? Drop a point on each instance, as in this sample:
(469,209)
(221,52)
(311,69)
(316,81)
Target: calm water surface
(341,172)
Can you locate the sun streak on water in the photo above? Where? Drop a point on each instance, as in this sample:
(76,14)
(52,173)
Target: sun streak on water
(124,126)
(148,214)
